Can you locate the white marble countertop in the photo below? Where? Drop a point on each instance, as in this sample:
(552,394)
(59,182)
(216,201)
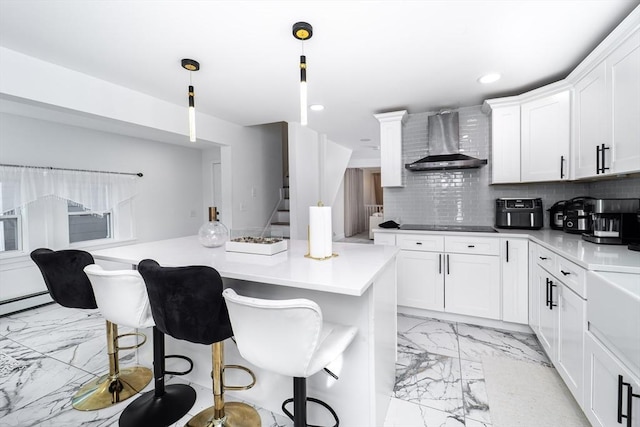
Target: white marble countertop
(350,273)
(614,258)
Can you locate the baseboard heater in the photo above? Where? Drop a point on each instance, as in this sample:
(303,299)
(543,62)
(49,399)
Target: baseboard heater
(25,302)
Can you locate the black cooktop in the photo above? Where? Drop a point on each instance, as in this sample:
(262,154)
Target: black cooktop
(462,228)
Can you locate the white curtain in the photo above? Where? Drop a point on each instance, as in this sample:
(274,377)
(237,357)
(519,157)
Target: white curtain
(354,216)
(96,191)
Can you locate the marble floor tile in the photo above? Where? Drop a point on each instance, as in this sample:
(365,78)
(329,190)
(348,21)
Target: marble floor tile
(474,392)
(406,414)
(431,335)
(429,380)
(476,342)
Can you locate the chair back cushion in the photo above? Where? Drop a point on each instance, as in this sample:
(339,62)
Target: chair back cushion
(63,274)
(121,296)
(186,302)
(280,336)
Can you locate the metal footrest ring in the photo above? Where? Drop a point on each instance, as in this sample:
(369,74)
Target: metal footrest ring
(132,347)
(240,387)
(314,400)
(178,356)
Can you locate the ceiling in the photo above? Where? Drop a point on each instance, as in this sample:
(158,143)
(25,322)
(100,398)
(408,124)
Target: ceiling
(365,57)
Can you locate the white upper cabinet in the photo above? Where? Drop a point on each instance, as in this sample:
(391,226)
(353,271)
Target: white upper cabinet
(505,143)
(623,85)
(545,138)
(590,121)
(596,135)
(531,135)
(607,114)
(391,166)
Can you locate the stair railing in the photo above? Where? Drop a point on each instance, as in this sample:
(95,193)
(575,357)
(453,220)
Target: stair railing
(273,212)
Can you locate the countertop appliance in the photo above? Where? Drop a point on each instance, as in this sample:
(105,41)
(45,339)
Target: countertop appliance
(556,215)
(635,246)
(577,219)
(457,227)
(519,213)
(614,221)
(444,146)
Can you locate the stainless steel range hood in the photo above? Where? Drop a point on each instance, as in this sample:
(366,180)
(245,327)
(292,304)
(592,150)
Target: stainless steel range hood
(444,147)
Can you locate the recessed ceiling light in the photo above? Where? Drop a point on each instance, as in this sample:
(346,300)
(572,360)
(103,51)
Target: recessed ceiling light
(489,78)
(365,139)
(316,107)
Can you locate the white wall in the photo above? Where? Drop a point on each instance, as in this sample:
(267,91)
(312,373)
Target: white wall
(33,80)
(316,173)
(252,176)
(169,201)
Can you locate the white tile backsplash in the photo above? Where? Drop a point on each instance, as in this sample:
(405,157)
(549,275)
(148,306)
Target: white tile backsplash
(465,196)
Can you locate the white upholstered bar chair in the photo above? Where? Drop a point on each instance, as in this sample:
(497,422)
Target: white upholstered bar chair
(121,296)
(288,337)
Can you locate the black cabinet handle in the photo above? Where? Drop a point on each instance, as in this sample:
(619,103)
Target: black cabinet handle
(507,251)
(471,246)
(439,263)
(630,396)
(419,243)
(547,302)
(566,273)
(551,286)
(603,150)
(448,263)
(542,257)
(600,159)
(561,167)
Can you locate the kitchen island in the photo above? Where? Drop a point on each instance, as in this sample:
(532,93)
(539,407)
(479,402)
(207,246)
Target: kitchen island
(358,287)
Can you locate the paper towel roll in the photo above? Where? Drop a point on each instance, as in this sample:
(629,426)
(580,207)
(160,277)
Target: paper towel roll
(320,233)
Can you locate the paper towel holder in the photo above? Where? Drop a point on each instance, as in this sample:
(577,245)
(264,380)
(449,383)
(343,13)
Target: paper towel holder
(308,254)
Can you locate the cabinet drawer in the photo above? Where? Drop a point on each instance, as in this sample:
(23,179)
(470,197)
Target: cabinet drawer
(472,245)
(384,239)
(420,242)
(572,275)
(545,258)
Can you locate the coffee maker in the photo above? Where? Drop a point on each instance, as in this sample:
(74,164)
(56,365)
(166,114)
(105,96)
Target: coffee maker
(613,221)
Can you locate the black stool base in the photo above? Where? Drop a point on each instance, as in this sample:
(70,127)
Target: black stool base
(151,411)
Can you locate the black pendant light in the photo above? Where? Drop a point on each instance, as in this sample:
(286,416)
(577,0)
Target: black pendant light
(303,31)
(191,65)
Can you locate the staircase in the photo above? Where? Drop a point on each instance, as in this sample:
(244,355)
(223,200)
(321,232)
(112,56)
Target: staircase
(280,223)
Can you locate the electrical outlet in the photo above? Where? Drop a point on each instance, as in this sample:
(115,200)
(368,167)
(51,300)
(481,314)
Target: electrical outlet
(192,213)
(254,192)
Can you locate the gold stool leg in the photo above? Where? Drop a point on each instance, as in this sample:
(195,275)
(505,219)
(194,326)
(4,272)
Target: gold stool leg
(114,387)
(230,414)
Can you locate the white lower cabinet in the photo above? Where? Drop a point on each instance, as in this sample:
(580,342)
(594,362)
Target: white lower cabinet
(514,259)
(610,388)
(547,318)
(572,323)
(561,320)
(454,274)
(472,285)
(420,280)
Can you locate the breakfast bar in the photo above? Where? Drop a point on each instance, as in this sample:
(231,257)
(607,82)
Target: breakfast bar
(357,287)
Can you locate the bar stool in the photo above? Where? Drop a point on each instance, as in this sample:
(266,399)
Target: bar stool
(187,304)
(122,298)
(70,287)
(288,337)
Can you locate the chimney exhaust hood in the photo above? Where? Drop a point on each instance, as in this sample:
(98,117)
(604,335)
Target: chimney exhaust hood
(444,147)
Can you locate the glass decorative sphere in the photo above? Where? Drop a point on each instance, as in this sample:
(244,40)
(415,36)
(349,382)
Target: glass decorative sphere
(213,234)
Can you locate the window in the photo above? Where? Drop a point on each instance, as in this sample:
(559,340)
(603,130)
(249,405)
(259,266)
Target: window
(10,231)
(84,226)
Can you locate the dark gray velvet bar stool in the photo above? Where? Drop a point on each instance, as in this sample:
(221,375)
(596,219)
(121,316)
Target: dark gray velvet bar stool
(70,287)
(187,304)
